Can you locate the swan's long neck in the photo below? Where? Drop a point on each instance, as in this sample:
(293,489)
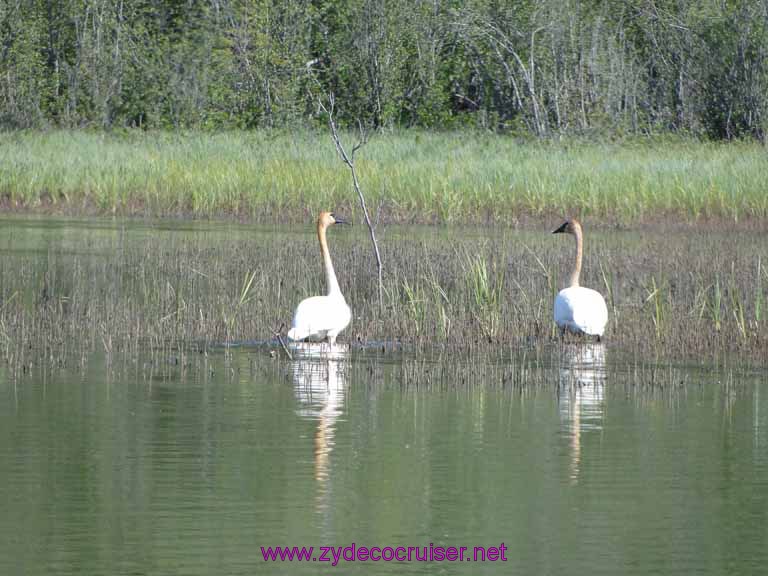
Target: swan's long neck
(574,281)
(330,276)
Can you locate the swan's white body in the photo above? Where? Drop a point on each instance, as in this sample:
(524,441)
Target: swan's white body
(322,317)
(577,309)
(581,310)
(319,318)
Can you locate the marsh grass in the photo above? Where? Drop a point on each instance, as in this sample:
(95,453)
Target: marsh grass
(166,295)
(657,306)
(758,307)
(412,176)
(485,284)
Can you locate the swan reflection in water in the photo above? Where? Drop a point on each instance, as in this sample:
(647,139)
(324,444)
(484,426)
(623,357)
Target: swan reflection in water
(581,392)
(319,379)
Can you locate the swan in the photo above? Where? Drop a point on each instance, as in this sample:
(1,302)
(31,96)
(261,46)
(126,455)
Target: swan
(322,317)
(578,309)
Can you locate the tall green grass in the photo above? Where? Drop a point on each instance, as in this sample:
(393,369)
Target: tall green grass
(414,176)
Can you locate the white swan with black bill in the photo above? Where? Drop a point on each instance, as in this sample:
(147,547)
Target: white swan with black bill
(322,317)
(577,309)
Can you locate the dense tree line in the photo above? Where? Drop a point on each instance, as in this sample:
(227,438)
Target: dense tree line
(540,66)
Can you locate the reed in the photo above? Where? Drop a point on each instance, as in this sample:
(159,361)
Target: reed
(758,313)
(716,305)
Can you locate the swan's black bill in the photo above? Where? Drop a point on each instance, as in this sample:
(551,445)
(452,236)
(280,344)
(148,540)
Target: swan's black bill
(339,220)
(562,228)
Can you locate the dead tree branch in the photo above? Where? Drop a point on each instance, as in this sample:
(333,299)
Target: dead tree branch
(349,160)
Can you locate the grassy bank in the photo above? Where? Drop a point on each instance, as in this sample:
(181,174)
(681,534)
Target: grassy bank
(421,177)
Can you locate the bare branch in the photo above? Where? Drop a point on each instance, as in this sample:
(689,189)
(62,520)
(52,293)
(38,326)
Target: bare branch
(349,160)
(279,334)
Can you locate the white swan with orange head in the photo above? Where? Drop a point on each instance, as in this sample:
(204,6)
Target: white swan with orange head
(322,317)
(578,309)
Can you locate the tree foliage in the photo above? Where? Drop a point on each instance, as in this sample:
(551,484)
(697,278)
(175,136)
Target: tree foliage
(545,67)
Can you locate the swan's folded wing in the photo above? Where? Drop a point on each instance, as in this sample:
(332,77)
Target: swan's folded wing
(563,309)
(318,315)
(581,309)
(591,313)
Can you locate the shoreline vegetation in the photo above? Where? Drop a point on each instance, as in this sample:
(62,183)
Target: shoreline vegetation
(407,176)
(691,297)
(542,68)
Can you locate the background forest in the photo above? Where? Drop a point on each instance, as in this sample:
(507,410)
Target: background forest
(541,67)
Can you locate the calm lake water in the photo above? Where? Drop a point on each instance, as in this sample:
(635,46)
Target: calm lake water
(132,470)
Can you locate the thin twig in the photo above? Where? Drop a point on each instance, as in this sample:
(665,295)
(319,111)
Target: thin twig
(378,214)
(349,160)
(279,335)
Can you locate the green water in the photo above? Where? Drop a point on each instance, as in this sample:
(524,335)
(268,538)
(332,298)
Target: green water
(193,473)
(149,466)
